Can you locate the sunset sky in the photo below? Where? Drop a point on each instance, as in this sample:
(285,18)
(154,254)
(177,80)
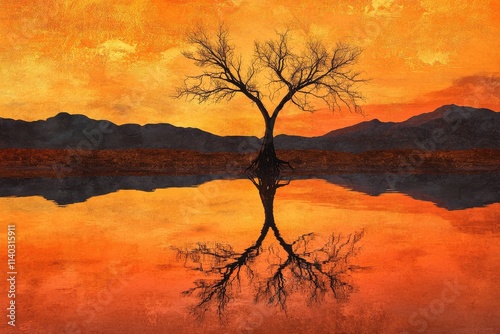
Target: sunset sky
(121,60)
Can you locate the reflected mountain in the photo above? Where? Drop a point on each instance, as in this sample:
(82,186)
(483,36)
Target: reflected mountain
(307,265)
(450,191)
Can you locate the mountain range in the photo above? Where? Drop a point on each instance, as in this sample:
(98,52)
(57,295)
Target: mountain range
(449,127)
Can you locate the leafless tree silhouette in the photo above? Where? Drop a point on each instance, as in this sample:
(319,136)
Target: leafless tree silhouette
(227,264)
(277,74)
(314,271)
(306,266)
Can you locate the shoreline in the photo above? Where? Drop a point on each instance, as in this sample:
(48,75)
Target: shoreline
(26,163)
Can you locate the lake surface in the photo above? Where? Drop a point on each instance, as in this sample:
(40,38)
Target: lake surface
(117,259)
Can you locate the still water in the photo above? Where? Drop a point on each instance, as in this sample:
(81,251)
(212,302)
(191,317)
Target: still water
(326,256)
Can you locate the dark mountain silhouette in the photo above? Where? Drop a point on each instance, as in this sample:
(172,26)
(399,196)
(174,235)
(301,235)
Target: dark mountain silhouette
(447,128)
(78,131)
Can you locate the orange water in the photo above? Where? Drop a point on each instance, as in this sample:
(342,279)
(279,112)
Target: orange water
(107,265)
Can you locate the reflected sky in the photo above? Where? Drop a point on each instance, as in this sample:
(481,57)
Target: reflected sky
(107,265)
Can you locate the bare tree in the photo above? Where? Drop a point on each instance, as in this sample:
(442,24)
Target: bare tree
(277,74)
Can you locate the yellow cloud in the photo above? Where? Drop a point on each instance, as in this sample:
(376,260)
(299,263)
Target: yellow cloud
(431,57)
(115,49)
(171,54)
(383,8)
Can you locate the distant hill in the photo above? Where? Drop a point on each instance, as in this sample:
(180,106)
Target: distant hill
(78,131)
(449,127)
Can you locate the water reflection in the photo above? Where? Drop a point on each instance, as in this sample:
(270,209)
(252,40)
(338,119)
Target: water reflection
(70,190)
(449,191)
(72,258)
(308,265)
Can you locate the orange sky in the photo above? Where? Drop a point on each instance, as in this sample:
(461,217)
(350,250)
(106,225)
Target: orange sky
(120,60)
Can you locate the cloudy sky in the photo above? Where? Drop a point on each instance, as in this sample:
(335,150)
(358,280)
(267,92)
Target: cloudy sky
(120,59)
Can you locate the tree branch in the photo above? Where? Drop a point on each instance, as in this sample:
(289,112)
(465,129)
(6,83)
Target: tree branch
(298,77)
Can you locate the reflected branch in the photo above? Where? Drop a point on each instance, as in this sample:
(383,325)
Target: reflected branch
(223,261)
(312,270)
(308,265)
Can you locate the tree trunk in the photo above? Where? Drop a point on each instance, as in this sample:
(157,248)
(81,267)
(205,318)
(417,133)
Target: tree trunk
(267,152)
(267,163)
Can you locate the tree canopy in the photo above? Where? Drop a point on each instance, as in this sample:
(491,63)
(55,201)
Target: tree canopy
(292,74)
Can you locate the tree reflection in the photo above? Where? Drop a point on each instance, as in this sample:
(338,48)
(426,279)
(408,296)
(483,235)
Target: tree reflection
(307,265)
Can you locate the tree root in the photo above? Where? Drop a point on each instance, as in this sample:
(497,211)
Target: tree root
(267,166)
